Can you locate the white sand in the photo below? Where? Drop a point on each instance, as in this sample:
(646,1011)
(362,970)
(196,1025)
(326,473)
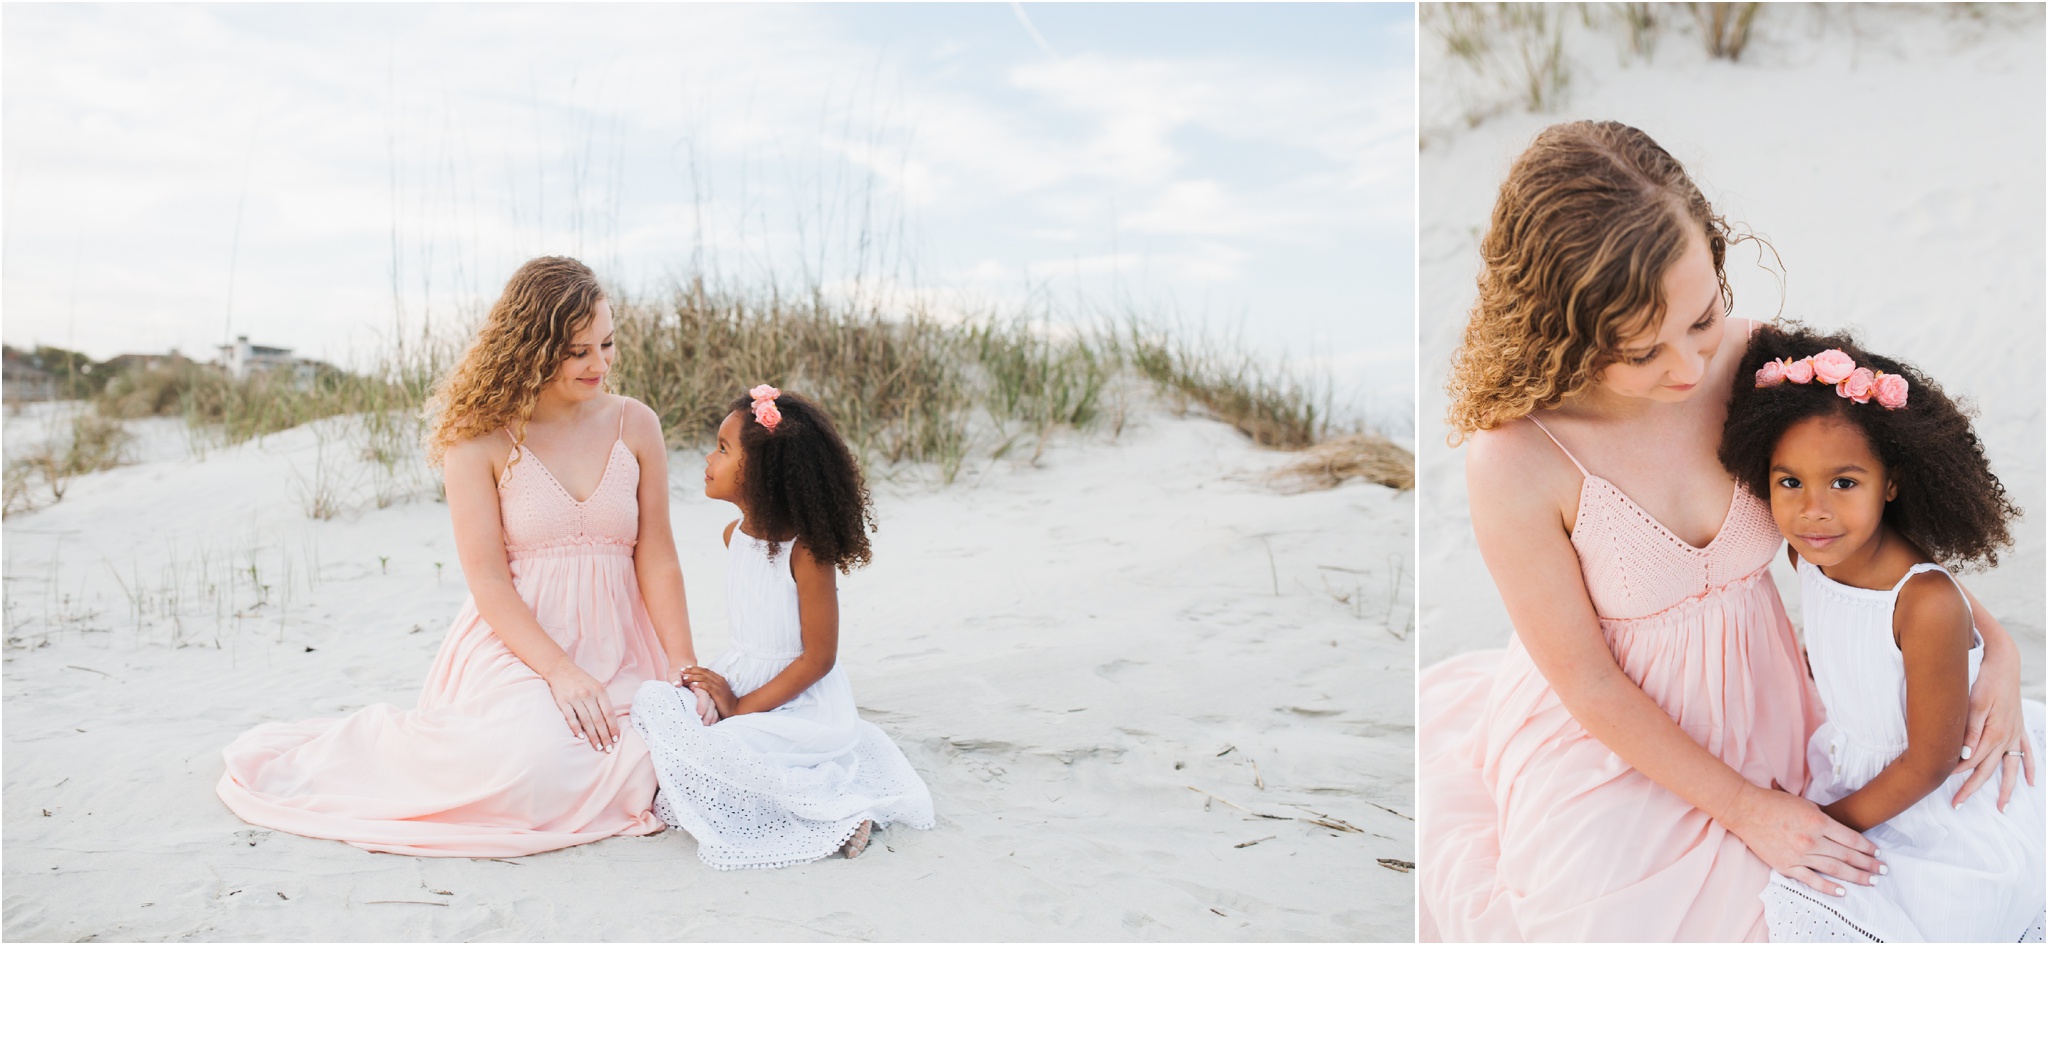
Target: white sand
(1062,651)
(1895,160)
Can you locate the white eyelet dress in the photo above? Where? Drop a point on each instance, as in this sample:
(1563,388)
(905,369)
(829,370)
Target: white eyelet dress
(1957,874)
(780,787)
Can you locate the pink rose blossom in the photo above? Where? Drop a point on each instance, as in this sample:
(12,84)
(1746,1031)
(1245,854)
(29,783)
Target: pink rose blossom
(764,405)
(1832,366)
(1772,375)
(1799,371)
(1891,391)
(1857,385)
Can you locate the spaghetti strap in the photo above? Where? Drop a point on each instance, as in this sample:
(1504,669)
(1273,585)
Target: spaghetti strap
(622,421)
(506,472)
(1560,446)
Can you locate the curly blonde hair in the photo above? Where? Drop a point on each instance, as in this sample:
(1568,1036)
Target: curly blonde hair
(1590,218)
(519,350)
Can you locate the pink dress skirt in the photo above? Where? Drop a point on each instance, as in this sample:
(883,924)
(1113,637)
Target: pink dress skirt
(1533,830)
(486,766)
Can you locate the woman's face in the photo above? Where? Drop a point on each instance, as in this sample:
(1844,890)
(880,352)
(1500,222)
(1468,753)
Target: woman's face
(1668,363)
(589,358)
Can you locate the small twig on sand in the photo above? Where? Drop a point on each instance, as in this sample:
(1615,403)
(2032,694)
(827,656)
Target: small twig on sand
(96,671)
(423,903)
(1253,842)
(1256,778)
(1396,812)
(1320,819)
(1391,864)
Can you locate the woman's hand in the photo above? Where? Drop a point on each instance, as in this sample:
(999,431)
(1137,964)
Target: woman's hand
(585,705)
(711,684)
(707,709)
(1996,738)
(1799,841)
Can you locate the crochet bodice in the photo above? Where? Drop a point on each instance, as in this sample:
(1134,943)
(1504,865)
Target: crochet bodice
(1634,566)
(540,518)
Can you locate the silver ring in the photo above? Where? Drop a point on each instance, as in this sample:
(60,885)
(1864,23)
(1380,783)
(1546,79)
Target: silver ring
(2015,754)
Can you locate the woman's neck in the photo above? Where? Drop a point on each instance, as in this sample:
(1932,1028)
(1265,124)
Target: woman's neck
(550,408)
(1597,404)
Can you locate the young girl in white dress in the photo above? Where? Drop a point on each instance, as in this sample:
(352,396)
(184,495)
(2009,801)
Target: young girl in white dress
(767,763)
(1876,481)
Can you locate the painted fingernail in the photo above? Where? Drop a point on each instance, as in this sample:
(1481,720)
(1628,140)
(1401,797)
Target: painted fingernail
(1839,891)
(1884,869)
(1966,752)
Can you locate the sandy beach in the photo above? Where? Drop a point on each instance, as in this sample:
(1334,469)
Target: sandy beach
(1106,665)
(1875,149)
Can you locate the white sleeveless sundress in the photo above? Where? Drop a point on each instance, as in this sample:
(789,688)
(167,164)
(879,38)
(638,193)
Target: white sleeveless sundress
(780,787)
(1957,874)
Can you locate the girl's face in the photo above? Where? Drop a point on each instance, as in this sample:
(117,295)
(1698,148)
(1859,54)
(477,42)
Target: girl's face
(589,358)
(1828,490)
(722,464)
(1668,363)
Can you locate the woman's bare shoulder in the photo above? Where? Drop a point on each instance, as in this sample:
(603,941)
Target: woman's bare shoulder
(491,448)
(642,426)
(1514,449)
(1518,468)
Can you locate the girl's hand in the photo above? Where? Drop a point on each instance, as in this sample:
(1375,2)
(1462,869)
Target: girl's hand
(1799,841)
(585,705)
(711,684)
(1996,738)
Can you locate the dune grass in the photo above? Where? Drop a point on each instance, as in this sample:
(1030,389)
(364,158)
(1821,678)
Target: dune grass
(908,389)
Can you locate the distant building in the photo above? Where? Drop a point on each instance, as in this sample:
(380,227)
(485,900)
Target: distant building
(24,381)
(243,359)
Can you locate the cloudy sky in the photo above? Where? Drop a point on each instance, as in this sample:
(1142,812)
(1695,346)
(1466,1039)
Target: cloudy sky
(329,177)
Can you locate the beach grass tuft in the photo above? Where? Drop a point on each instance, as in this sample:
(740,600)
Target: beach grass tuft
(1367,456)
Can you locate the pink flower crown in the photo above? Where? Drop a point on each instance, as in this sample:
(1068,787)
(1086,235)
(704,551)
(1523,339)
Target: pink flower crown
(1834,367)
(764,405)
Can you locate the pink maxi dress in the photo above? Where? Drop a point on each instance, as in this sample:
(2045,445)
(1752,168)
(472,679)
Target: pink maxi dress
(485,766)
(1532,829)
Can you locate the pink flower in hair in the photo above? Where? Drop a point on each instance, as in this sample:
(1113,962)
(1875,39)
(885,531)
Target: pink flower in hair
(1890,391)
(1799,371)
(1772,375)
(1857,385)
(764,406)
(1833,366)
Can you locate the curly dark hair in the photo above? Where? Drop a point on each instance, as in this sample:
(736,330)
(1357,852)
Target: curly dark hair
(800,482)
(1948,503)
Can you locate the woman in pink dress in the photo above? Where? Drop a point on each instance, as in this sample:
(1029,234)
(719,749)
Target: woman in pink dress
(521,743)
(1630,767)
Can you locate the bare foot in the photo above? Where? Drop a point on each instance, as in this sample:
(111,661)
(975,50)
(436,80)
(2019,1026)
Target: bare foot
(859,842)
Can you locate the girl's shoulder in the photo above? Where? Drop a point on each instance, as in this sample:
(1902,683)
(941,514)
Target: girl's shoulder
(1930,603)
